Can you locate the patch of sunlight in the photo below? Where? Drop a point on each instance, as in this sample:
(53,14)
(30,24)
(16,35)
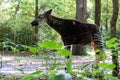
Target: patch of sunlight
(7,58)
(91,52)
(89,4)
(5,6)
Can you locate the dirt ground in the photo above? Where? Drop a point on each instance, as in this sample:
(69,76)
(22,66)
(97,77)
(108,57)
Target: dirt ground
(24,65)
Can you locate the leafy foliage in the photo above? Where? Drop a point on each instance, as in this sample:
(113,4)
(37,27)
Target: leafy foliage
(32,76)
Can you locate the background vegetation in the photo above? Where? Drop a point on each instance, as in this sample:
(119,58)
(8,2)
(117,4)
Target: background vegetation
(16,16)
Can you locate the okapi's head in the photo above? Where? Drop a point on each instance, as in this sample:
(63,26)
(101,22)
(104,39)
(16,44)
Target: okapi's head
(41,18)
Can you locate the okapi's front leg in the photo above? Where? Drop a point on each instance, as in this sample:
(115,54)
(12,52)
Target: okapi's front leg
(68,47)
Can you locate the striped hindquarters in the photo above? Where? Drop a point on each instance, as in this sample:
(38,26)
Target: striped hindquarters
(98,41)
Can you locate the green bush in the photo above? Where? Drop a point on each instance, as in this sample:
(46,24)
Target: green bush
(5,32)
(25,35)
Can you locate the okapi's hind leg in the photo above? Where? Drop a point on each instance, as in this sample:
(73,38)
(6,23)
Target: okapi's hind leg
(99,54)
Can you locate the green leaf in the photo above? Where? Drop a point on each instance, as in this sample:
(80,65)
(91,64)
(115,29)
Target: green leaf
(111,66)
(50,45)
(53,72)
(14,50)
(69,65)
(29,77)
(94,72)
(111,43)
(106,65)
(21,70)
(32,75)
(109,77)
(37,72)
(32,49)
(64,52)
(106,37)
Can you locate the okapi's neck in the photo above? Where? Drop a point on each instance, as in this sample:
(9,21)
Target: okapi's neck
(55,23)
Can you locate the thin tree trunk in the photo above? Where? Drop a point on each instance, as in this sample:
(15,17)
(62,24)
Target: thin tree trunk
(107,11)
(16,10)
(97,12)
(36,27)
(113,34)
(81,15)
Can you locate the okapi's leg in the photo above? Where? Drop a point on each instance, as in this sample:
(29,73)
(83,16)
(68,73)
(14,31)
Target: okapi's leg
(0,61)
(68,47)
(97,54)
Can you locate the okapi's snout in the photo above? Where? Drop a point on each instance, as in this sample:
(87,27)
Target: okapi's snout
(35,23)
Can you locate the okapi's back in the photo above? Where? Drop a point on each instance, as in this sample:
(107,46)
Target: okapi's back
(77,33)
(82,33)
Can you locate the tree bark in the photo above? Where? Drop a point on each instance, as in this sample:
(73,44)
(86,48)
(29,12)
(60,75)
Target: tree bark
(97,12)
(113,34)
(81,15)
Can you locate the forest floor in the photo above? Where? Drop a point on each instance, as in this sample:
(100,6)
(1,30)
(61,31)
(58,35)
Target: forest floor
(21,65)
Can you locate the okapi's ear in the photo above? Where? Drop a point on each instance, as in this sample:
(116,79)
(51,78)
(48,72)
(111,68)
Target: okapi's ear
(49,11)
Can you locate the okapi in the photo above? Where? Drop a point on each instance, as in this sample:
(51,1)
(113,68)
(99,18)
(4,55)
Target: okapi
(73,32)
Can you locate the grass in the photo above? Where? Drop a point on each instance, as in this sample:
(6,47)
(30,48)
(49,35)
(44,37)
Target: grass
(11,77)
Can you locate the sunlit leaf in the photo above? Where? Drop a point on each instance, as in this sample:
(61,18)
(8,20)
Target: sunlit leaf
(64,52)
(15,50)
(111,43)
(113,40)
(109,77)
(69,65)
(106,65)
(32,75)
(29,77)
(53,72)
(32,49)
(94,72)
(106,37)
(50,45)
(37,72)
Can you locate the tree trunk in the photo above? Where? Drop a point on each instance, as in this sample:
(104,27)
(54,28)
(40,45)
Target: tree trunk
(36,27)
(113,34)
(16,10)
(97,12)
(107,11)
(81,15)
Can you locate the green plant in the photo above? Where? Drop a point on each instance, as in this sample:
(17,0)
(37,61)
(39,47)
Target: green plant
(60,50)
(33,76)
(25,36)
(5,32)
